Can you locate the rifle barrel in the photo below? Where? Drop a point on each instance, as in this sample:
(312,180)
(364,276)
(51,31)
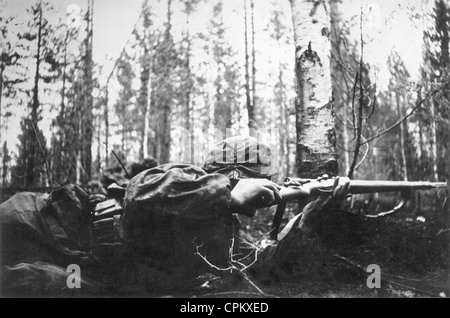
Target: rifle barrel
(370,186)
(315,188)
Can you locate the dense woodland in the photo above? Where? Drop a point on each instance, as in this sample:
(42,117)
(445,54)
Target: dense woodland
(171,87)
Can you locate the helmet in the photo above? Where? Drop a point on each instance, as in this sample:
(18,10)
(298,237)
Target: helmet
(240,157)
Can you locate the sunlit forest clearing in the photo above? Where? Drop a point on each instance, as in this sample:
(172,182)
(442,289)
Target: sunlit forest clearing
(361,89)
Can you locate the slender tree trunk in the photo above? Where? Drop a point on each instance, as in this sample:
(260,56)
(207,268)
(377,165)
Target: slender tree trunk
(421,154)
(2,68)
(252,7)
(59,151)
(440,105)
(124,140)
(106,118)
(251,122)
(163,146)
(189,116)
(346,140)
(282,112)
(78,169)
(148,109)
(63,89)
(5,162)
(99,148)
(145,97)
(35,104)
(32,140)
(287,138)
(316,141)
(434,152)
(210,126)
(446,209)
(359,123)
(402,138)
(284,118)
(1,127)
(4,169)
(87,115)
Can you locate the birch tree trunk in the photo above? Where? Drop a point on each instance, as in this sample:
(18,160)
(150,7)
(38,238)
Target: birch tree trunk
(316,140)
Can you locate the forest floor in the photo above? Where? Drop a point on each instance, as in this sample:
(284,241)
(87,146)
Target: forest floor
(412,250)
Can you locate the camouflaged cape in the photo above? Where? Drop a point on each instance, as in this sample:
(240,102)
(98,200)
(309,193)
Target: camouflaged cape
(170,212)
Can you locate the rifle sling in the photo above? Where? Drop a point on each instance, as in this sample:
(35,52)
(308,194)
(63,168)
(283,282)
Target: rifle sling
(277,220)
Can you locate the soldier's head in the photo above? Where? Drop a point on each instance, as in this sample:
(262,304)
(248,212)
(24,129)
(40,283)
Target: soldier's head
(145,164)
(240,157)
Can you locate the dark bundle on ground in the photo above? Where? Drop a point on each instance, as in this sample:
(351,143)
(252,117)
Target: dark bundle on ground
(116,173)
(138,167)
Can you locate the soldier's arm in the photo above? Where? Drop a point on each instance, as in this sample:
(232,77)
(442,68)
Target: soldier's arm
(251,194)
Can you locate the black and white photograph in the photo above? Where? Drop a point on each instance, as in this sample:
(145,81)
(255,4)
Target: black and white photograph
(225,152)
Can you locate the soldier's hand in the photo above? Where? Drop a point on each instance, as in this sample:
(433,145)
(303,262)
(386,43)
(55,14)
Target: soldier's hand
(340,188)
(251,194)
(339,191)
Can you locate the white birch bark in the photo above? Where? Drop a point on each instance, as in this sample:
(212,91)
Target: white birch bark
(316,153)
(148,109)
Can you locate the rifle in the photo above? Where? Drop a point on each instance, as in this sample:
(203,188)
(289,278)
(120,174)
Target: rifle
(302,189)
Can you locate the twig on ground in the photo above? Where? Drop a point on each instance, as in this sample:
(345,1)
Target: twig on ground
(234,265)
(252,283)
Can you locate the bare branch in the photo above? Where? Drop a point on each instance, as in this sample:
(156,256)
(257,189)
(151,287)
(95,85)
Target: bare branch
(115,155)
(365,154)
(353,107)
(400,121)
(342,122)
(374,103)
